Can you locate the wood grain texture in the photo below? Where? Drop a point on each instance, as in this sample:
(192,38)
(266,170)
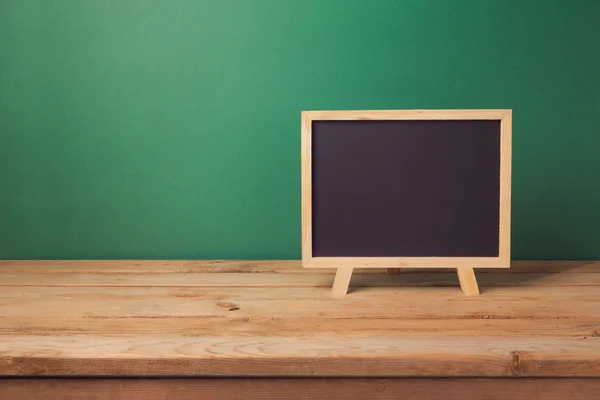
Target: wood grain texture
(262,319)
(195,279)
(347,115)
(341,282)
(255,266)
(300,389)
(505,186)
(468,281)
(328,355)
(370,302)
(306,177)
(480,324)
(406,262)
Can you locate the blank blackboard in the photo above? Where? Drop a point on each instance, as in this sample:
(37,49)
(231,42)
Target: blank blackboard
(406,188)
(416,188)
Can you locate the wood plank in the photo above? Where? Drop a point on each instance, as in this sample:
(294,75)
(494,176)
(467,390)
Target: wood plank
(406,279)
(412,303)
(468,282)
(505,186)
(257,319)
(391,303)
(348,115)
(264,325)
(330,355)
(341,282)
(156,266)
(306,186)
(301,389)
(406,262)
(260,266)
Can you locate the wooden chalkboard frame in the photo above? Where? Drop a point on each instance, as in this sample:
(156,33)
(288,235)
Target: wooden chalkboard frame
(463,264)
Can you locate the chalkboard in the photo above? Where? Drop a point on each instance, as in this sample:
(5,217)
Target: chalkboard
(424,188)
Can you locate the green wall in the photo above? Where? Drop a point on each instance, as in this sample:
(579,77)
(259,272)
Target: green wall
(171,129)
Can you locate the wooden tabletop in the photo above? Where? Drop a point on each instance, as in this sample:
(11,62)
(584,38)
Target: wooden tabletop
(272,318)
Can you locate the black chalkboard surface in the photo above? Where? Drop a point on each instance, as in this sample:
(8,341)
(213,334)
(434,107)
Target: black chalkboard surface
(415,188)
(410,188)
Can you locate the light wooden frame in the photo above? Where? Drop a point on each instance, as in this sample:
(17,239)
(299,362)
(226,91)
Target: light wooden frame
(347,263)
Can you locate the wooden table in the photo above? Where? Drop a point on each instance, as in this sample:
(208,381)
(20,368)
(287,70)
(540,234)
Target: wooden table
(269,329)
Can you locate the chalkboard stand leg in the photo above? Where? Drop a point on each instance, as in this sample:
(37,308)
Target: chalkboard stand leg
(468,282)
(341,282)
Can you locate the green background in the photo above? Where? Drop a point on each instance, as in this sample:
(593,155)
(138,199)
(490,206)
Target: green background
(171,128)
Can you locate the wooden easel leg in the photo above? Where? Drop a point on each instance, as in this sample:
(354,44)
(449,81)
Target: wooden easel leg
(341,282)
(468,282)
(393,271)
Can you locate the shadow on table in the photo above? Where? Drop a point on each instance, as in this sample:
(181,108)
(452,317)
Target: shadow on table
(521,273)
